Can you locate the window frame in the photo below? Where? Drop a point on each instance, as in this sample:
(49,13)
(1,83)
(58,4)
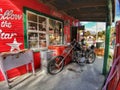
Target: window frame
(47,30)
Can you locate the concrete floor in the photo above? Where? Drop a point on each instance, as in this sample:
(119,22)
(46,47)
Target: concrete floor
(73,77)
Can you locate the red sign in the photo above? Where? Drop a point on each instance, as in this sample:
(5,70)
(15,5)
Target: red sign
(11,27)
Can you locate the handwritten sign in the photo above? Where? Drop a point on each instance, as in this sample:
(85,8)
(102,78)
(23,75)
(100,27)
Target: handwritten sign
(11,26)
(5,18)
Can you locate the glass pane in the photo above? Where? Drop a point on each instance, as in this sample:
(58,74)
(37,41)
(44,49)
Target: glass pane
(51,24)
(32,26)
(42,43)
(32,36)
(42,20)
(42,28)
(33,44)
(32,17)
(33,40)
(55,32)
(42,36)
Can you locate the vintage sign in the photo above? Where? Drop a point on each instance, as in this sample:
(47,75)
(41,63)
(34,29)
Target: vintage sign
(11,26)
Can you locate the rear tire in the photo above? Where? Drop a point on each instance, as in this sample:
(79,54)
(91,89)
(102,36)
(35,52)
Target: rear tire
(52,65)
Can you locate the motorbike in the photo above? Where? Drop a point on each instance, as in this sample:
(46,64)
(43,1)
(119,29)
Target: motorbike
(79,54)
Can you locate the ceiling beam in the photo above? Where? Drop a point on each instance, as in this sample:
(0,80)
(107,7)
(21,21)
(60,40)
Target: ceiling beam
(98,13)
(83,5)
(92,15)
(101,9)
(92,19)
(48,1)
(92,12)
(69,1)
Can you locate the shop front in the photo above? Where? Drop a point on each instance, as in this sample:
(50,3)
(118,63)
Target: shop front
(30,24)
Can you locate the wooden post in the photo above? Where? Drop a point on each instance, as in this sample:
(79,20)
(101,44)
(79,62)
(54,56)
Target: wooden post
(107,38)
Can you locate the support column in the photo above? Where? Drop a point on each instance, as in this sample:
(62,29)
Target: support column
(107,37)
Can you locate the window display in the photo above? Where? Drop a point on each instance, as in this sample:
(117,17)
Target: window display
(36,30)
(55,32)
(43,31)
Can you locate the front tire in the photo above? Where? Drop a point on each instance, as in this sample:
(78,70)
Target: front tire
(91,57)
(55,65)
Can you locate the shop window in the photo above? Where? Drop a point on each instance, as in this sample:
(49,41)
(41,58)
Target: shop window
(43,31)
(55,32)
(36,30)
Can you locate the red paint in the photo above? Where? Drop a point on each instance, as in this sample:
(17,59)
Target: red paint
(59,51)
(14,28)
(67,33)
(114,83)
(117,38)
(37,60)
(56,14)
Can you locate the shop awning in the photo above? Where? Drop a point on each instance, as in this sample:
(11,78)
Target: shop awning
(84,10)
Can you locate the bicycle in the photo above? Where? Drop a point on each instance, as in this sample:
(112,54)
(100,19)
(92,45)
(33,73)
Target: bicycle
(77,53)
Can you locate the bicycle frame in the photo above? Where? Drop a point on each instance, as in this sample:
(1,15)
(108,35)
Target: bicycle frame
(65,55)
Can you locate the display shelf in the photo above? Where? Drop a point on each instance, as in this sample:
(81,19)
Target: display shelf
(42,32)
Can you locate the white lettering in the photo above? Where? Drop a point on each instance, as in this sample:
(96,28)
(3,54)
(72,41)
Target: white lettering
(5,17)
(4,35)
(6,24)
(10,15)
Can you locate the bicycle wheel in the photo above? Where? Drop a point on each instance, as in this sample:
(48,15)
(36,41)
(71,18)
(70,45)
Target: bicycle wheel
(55,65)
(91,57)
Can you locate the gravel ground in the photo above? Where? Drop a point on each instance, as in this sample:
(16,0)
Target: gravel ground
(73,77)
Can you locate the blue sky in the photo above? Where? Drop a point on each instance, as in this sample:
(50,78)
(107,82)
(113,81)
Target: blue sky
(117,10)
(98,26)
(94,26)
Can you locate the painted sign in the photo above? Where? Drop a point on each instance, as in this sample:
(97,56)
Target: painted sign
(11,27)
